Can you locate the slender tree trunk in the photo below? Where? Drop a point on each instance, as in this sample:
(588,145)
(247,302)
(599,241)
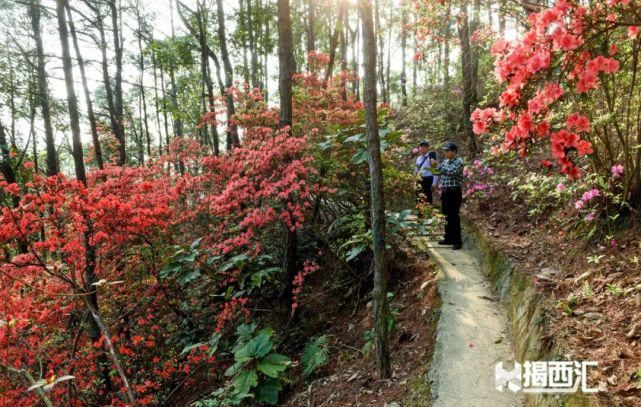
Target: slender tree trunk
(415,63)
(176,116)
(232,132)
(43,90)
(381,50)
(333,42)
(468,68)
(32,122)
(118,102)
(154,64)
(502,15)
(311,26)
(446,47)
(141,66)
(403,58)
(252,44)
(344,36)
(379,294)
(355,61)
(242,19)
(163,89)
(105,69)
(266,64)
(85,87)
(287,68)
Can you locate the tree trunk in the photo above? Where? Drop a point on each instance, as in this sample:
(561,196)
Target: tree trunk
(502,15)
(105,69)
(355,62)
(311,26)
(154,64)
(287,68)
(232,132)
(381,50)
(469,74)
(43,90)
(176,116)
(119,130)
(403,58)
(242,20)
(90,113)
(252,45)
(379,294)
(446,47)
(415,63)
(141,66)
(388,91)
(333,42)
(344,36)
(72,101)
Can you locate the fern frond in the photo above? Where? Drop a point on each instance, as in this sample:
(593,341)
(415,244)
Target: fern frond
(315,354)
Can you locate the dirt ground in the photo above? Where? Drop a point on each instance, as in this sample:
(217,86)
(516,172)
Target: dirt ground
(593,291)
(349,378)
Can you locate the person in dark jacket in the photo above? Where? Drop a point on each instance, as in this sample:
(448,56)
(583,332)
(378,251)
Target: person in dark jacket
(451,179)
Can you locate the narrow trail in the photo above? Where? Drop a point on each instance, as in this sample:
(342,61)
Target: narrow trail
(472,336)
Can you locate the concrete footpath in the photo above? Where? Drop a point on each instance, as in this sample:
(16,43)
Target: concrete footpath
(472,336)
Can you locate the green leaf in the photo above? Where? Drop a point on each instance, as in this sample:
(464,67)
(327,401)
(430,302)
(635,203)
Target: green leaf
(267,391)
(354,139)
(272,364)
(260,345)
(245,330)
(354,252)
(196,243)
(190,347)
(361,157)
(256,348)
(245,381)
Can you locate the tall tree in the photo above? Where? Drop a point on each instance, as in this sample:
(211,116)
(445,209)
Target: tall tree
(141,77)
(85,87)
(252,44)
(119,131)
(381,50)
(379,294)
(469,68)
(287,68)
(311,26)
(403,58)
(43,89)
(232,130)
(446,45)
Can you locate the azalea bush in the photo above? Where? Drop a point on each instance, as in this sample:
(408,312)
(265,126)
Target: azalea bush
(552,76)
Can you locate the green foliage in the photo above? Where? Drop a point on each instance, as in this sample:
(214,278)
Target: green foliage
(569,304)
(257,368)
(391,325)
(538,193)
(315,354)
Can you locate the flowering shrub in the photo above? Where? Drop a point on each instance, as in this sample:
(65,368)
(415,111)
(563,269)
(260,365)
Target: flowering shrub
(480,183)
(545,72)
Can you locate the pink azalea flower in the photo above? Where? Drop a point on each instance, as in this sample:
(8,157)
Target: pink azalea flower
(617,170)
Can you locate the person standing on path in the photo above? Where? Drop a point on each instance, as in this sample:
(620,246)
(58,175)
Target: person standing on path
(423,166)
(451,177)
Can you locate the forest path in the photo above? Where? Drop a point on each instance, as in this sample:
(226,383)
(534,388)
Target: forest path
(472,336)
